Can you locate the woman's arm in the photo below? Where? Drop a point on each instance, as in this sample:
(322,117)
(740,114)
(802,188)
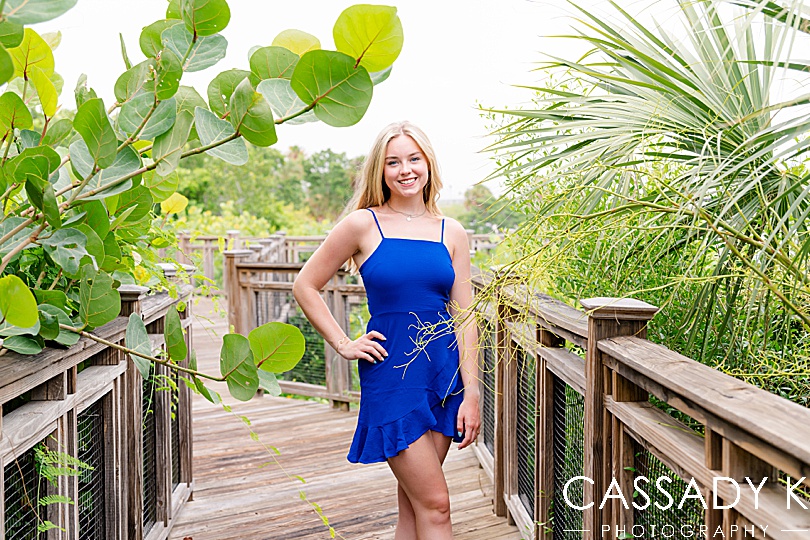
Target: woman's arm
(469,420)
(341,244)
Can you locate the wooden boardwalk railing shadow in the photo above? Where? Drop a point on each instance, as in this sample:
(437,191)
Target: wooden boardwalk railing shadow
(243,491)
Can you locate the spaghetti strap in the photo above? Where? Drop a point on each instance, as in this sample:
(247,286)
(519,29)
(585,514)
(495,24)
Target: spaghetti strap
(442,240)
(380,228)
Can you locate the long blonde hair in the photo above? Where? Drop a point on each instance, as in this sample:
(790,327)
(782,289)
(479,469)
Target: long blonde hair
(370,189)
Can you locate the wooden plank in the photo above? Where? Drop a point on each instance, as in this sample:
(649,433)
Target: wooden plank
(767,418)
(566,365)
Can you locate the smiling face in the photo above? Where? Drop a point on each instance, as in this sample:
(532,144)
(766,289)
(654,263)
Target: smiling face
(406,169)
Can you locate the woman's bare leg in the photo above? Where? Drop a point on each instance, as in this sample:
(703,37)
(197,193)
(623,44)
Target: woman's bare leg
(424,503)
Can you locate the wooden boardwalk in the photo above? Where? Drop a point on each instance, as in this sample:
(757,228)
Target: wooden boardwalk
(247,492)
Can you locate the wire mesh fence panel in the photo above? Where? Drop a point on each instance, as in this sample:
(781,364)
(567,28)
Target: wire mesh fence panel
(23,488)
(526,414)
(486,354)
(92,485)
(569,440)
(149,455)
(665,511)
(281,306)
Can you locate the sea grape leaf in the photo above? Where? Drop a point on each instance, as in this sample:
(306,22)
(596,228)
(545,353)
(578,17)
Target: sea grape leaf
(99,301)
(296,41)
(252,116)
(277,347)
(284,101)
(196,55)
(126,162)
(210,129)
(137,339)
(205,17)
(372,35)
(35,11)
(135,110)
(271,63)
(17,303)
(93,124)
(32,51)
(221,88)
(341,92)
(168,147)
(175,337)
(236,365)
(150,40)
(66,247)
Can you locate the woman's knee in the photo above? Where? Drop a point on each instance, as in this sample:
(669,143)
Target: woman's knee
(437,507)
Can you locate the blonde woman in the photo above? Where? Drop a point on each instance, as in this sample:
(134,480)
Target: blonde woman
(417,365)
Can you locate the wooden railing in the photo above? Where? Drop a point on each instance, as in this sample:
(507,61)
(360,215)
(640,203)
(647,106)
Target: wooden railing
(90,402)
(204,251)
(552,414)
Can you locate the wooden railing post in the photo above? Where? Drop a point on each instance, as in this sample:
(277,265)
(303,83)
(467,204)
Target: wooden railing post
(501,361)
(131,421)
(237,295)
(607,317)
(544,429)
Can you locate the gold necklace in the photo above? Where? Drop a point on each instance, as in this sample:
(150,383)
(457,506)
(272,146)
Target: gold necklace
(408,216)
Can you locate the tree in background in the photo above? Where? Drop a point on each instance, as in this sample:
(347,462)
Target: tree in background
(485,213)
(328,183)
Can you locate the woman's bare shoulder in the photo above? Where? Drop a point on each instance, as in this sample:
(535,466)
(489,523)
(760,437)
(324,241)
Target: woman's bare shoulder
(355,222)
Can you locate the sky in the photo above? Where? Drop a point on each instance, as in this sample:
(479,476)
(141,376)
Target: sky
(456,56)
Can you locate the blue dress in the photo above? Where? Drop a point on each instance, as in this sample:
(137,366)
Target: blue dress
(417,387)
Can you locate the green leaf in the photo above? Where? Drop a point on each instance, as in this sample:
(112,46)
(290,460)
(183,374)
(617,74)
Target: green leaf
(135,110)
(200,54)
(48,324)
(51,156)
(236,364)
(161,187)
(252,116)
(22,345)
(99,302)
(17,303)
(296,41)
(137,339)
(269,383)
(46,91)
(94,245)
(32,51)
(40,191)
(277,347)
(284,101)
(380,76)
(124,54)
(175,337)
(11,34)
(53,298)
(210,129)
(133,81)
(35,11)
(205,17)
(97,217)
(83,92)
(6,66)
(139,199)
(175,9)
(221,88)
(271,63)
(112,253)
(188,99)
(7,329)
(150,40)
(126,162)
(168,147)
(13,114)
(66,247)
(168,74)
(341,92)
(93,124)
(8,225)
(57,131)
(372,35)
(65,337)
